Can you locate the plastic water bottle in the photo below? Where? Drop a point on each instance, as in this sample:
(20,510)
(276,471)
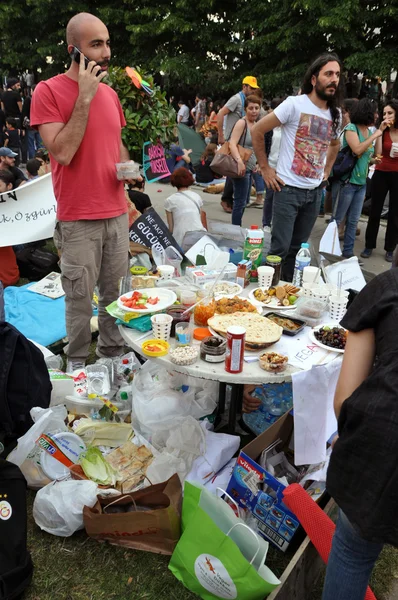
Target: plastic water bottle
(303,259)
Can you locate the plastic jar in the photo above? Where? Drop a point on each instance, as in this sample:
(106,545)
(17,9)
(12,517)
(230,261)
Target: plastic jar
(176,313)
(275,262)
(213,349)
(204,311)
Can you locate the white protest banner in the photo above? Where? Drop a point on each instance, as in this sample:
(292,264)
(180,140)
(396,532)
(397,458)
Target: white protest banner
(27,214)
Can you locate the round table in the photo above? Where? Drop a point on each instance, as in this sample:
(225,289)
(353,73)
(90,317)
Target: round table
(251,374)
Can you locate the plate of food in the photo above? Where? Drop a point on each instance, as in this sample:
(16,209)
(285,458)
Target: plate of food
(260,331)
(227,305)
(330,337)
(147,300)
(282,297)
(224,288)
(290,325)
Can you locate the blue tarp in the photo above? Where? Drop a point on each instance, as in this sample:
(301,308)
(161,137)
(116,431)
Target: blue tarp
(39,318)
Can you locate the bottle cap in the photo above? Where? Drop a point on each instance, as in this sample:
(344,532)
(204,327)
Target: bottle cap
(124,396)
(305,245)
(253,226)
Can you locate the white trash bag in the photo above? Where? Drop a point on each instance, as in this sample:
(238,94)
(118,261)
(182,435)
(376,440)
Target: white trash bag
(58,507)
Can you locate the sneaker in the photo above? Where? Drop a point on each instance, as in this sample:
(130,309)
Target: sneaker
(74,365)
(267,229)
(115,353)
(388,257)
(367,253)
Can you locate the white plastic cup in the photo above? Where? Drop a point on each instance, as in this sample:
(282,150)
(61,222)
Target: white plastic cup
(320,293)
(307,289)
(161,326)
(311,274)
(337,307)
(265,276)
(166,271)
(188,297)
(183,334)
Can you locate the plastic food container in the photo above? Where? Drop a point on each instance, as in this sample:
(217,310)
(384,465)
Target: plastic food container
(155,348)
(310,309)
(273,362)
(184,355)
(213,349)
(84,406)
(204,311)
(128,170)
(300,324)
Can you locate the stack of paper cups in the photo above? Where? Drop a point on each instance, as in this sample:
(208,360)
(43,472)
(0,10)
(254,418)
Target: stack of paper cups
(320,293)
(265,275)
(311,275)
(338,307)
(307,288)
(161,326)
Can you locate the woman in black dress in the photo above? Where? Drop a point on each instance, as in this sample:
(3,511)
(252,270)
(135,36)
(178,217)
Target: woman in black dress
(363,471)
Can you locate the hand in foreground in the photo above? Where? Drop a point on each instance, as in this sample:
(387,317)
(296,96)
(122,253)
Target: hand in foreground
(88,79)
(250,403)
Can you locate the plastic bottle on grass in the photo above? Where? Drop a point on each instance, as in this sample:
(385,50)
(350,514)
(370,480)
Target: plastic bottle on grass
(303,259)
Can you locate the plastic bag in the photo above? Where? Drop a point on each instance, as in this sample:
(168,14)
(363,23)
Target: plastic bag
(26,454)
(58,507)
(179,443)
(159,396)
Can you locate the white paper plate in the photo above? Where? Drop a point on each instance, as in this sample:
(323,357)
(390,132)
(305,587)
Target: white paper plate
(312,337)
(71,445)
(274,304)
(166,299)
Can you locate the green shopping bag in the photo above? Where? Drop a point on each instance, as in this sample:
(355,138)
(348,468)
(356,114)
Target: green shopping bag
(209,562)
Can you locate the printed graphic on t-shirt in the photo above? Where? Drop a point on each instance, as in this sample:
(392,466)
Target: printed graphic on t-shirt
(311,145)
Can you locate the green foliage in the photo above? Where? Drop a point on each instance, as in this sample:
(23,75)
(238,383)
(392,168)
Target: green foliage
(209,45)
(147,118)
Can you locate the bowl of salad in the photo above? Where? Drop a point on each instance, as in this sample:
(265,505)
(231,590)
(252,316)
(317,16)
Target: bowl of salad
(146,301)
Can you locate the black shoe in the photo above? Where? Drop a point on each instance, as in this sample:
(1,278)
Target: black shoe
(367,253)
(388,257)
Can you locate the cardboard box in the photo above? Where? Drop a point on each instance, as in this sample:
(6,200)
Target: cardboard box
(201,275)
(276,523)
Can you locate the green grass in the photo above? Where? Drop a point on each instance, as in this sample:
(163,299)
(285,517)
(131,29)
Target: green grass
(79,568)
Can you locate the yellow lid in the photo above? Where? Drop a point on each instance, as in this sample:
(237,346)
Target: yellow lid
(155,347)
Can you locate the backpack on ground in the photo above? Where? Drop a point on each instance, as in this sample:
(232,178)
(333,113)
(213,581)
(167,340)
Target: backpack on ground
(36,263)
(24,383)
(16,565)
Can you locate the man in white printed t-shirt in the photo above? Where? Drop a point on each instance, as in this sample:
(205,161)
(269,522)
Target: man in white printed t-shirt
(310,126)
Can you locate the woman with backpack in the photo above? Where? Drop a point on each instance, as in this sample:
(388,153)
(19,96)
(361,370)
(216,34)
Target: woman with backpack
(241,135)
(385,180)
(359,138)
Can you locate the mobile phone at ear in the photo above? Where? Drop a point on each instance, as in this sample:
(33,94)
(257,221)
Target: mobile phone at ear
(75,55)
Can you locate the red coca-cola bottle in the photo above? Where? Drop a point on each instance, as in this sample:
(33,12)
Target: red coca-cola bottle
(235,349)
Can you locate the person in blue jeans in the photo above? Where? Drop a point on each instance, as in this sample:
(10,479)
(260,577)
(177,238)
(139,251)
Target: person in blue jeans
(310,127)
(359,138)
(363,471)
(241,135)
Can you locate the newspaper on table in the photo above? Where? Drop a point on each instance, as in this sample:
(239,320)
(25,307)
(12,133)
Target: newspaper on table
(50,286)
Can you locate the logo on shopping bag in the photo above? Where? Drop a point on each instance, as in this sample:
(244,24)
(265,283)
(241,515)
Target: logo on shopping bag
(214,577)
(5,510)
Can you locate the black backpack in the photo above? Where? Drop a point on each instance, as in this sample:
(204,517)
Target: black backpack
(36,263)
(16,565)
(24,383)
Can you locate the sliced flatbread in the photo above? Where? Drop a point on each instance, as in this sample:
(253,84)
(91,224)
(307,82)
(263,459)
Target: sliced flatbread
(260,331)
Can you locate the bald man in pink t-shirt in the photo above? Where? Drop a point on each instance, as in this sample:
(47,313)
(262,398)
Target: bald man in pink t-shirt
(80,121)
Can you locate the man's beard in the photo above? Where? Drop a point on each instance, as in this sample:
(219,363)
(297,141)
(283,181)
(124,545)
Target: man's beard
(322,92)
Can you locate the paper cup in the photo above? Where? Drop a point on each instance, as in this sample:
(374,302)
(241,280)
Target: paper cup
(320,293)
(337,307)
(161,326)
(311,275)
(265,275)
(307,289)
(166,271)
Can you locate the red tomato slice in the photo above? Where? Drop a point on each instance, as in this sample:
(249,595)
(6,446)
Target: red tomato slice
(153,300)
